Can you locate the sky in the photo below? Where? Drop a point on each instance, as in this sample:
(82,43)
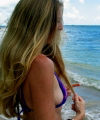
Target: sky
(76,12)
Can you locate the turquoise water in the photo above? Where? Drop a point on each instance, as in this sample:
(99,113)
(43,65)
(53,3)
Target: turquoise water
(81,51)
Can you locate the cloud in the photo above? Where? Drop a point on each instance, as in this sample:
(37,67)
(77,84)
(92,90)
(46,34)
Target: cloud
(4,15)
(81,1)
(97,15)
(71,13)
(97,18)
(7,2)
(6,8)
(74,14)
(98,7)
(66,4)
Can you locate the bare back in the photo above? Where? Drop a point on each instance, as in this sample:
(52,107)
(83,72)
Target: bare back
(41,90)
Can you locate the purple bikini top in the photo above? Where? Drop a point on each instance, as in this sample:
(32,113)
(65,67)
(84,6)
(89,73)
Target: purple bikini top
(25,108)
(64,91)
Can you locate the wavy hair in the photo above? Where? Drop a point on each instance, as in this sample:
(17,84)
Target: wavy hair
(32,24)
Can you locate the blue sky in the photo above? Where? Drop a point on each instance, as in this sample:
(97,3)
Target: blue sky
(75,11)
(82,12)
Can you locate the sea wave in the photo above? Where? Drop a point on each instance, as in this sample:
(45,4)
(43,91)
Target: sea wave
(91,114)
(85,81)
(83,65)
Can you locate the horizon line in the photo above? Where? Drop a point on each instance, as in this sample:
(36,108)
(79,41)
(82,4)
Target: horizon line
(70,25)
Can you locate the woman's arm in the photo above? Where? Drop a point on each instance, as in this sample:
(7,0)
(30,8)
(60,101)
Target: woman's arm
(41,81)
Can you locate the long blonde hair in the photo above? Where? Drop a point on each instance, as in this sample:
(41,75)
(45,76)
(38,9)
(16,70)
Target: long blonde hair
(32,24)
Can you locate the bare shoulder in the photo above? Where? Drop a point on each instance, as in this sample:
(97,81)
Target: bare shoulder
(43,61)
(41,67)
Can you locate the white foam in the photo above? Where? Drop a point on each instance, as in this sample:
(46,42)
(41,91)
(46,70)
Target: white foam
(91,114)
(84,81)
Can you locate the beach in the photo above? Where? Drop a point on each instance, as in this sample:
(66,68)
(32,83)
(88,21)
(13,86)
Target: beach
(92,98)
(81,53)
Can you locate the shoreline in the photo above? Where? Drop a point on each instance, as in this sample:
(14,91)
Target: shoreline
(92,99)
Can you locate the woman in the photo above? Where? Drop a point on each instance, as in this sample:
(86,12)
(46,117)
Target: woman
(32,65)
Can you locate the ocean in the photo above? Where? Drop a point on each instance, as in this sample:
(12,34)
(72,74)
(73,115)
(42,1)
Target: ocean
(81,52)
